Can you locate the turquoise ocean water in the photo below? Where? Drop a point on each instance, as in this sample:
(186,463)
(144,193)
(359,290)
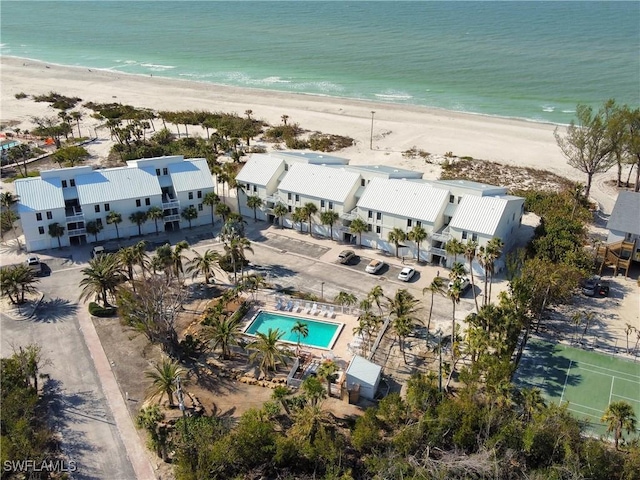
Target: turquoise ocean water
(532,60)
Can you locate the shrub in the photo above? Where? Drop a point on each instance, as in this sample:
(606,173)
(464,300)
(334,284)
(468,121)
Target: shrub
(99,311)
(20,95)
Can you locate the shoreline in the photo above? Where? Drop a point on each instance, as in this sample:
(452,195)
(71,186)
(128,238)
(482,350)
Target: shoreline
(395,128)
(267,91)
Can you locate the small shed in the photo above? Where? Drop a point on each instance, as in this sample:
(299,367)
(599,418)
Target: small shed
(364,373)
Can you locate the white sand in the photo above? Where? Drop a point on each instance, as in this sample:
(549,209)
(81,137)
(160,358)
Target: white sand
(396,128)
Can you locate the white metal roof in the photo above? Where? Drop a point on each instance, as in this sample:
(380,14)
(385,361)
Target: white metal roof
(317,158)
(625,216)
(406,199)
(387,171)
(367,372)
(481,188)
(259,170)
(318,181)
(479,214)
(190,175)
(114,184)
(37,194)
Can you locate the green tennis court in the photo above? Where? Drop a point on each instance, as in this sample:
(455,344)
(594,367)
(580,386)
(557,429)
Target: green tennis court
(588,381)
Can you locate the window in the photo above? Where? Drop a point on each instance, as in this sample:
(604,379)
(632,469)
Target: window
(39,216)
(49,216)
(464,235)
(297,197)
(97,208)
(255,189)
(41,230)
(199,207)
(409,222)
(106,207)
(377,228)
(369,227)
(370,215)
(362,182)
(99,222)
(157,172)
(289,207)
(330,205)
(165,171)
(474,237)
(459,198)
(199,193)
(321,203)
(190,195)
(452,198)
(286,167)
(378,216)
(72,182)
(513,217)
(418,223)
(248,187)
(147,201)
(64,184)
(138,202)
(288,196)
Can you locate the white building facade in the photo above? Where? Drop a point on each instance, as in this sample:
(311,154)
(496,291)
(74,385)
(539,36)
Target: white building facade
(73,197)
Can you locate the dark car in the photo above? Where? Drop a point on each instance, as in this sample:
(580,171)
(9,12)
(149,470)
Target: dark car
(346,256)
(604,287)
(595,286)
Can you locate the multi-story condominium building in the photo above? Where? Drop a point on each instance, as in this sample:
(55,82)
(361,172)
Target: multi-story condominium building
(73,197)
(385,198)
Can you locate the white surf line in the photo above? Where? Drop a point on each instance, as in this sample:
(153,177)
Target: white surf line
(613,379)
(566,379)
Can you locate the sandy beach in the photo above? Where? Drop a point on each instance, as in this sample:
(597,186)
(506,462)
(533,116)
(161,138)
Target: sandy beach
(396,128)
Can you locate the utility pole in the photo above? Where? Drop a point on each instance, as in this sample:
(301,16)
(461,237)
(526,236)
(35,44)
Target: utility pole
(371,137)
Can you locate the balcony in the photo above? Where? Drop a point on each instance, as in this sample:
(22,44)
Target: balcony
(442,236)
(73,216)
(272,199)
(171,218)
(438,251)
(352,215)
(76,232)
(168,203)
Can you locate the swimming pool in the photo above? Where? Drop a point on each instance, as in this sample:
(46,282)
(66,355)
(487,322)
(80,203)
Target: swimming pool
(321,334)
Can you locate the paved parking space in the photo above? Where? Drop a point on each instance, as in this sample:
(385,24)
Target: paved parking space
(387,272)
(287,244)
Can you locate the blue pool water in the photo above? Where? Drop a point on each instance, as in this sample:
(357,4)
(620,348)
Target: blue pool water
(321,334)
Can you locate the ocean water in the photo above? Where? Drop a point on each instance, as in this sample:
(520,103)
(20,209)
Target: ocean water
(532,60)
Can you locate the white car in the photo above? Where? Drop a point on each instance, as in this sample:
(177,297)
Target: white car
(374,266)
(464,284)
(406,274)
(33,260)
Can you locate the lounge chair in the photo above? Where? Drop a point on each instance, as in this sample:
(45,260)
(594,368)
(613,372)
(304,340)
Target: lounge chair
(307,307)
(332,311)
(289,306)
(297,306)
(278,303)
(314,309)
(323,310)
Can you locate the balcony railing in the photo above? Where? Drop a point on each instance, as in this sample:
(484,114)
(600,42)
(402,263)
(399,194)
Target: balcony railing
(171,218)
(75,217)
(438,251)
(352,215)
(170,203)
(275,199)
(443,236)
(76,232)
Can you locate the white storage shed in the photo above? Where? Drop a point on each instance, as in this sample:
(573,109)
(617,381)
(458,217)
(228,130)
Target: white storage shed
(364,373)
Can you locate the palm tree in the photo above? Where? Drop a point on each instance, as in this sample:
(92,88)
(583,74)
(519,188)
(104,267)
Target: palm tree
(189,213)
(56,231)
(299,216)
(470,249)
(280,211)
(177,258)
(266,350)
(418,235)
(619,416)
(403,307)
(204,264)
(329,217)
(280,393)
(396,236)
(224,332)
(375,295)
(101,278)
(284,119)
(344,298)
(155,213)
(327,372)
(127,258)
(164,380)
(492,253)
(454,292)
(15,281)
(454,247)
(77,116)
(302,330)
(358,227)
(7,201)
(138,218)
(310,209)
(436,286)
(211,199)
(223,210)
(93,228)
(115,218)
(236,248)
(254,202)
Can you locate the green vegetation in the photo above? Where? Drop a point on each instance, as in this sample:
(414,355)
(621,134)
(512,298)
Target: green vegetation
(99,311)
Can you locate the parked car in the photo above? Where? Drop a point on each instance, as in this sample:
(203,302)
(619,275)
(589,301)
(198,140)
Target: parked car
(37,267)
(374,266)
(406,274)
(465,283)
(33,260)
(595,286)
(346,256)
(97,250)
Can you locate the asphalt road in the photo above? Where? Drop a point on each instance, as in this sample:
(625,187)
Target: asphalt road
(79,410)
